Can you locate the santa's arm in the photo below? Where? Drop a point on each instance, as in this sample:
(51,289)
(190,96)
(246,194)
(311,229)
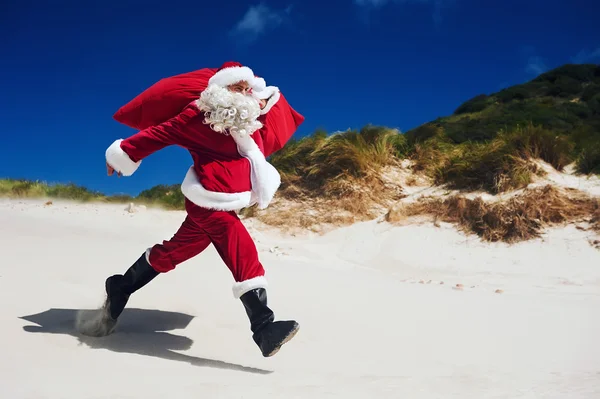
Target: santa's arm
(125,155)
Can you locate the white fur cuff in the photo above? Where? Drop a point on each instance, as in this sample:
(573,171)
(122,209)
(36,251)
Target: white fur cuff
(119,160)
(242,287)
(272,93)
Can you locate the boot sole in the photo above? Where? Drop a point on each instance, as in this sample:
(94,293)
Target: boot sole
(285,340)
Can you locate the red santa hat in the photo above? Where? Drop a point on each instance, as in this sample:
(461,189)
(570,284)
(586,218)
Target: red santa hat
(232,72)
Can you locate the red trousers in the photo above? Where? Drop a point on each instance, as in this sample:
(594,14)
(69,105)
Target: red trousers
(202,227)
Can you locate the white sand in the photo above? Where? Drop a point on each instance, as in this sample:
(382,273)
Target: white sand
(369,329)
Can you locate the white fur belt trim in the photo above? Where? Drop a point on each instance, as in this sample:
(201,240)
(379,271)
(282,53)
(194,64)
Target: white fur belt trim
(265,181)
(240,288)
(195,192)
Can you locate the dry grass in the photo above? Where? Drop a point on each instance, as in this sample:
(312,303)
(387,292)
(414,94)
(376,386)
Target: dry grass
(595,220)
(312,215)
(520,218)
(340,179)
(345,200)
(335,180)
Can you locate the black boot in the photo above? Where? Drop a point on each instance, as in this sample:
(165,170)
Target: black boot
(120,287)
(268,334)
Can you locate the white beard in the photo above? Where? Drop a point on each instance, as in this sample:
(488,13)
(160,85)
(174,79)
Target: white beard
(228,112)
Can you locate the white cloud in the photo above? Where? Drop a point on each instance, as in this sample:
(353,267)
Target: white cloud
(436,13)
(258,20)
(585,56)
(536,65)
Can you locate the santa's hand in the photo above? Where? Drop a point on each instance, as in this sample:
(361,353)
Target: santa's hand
(110,170)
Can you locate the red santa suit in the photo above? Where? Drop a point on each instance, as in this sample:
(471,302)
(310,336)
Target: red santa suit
(229,172)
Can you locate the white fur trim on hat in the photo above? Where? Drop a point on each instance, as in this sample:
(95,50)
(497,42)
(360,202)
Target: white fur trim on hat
(240,288)
(231,75)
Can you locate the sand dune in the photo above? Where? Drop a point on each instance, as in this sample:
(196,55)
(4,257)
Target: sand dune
(385,311)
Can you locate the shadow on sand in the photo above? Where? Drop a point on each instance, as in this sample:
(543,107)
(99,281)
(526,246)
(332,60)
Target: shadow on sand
(140,331)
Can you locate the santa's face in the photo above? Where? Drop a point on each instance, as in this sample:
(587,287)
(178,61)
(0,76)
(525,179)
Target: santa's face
(242,87)
(230,110)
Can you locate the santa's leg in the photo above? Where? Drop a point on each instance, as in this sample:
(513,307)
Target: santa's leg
(238,251)
(187,242)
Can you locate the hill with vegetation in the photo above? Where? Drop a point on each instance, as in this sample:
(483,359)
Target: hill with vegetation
(488,167)
(564,102)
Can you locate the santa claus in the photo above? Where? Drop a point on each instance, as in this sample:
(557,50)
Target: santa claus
(232,127)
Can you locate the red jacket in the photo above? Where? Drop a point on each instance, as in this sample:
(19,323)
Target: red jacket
(228,173)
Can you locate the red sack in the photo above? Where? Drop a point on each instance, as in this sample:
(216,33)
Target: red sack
(164,99)
(281,122)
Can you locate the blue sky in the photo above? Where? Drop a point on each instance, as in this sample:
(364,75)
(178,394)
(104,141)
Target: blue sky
(67,66)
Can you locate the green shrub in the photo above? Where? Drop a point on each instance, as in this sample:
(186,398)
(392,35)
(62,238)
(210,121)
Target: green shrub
(422,133)
(594,104)
(587,144)
(492,167)
(313,161)
(564,86)
(433,156)
(495,165)
(580,73)
(513,93)
(294,157)
(22,188)
(72,191)
(169,196)
(546,101)
(536,142)
(353,153)
(590,91)
(589,159)
(476,104)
